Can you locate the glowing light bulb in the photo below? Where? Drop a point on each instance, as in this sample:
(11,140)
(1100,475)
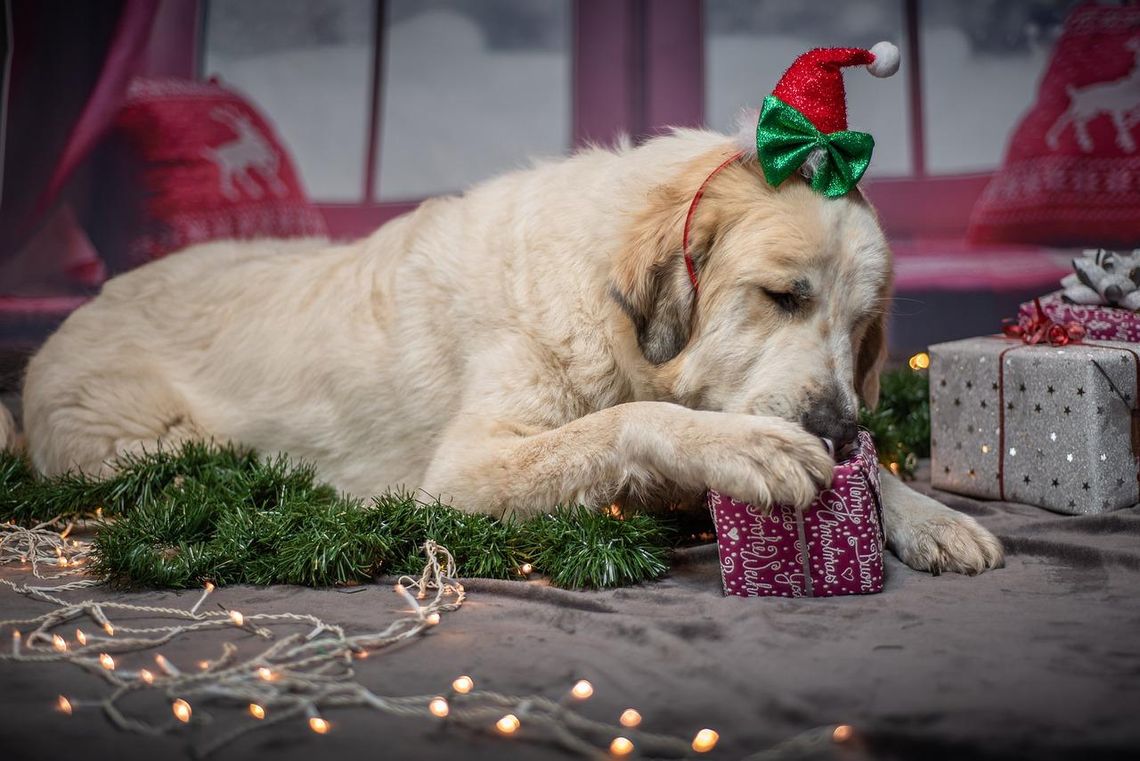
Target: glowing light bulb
(621,746)
(99,513)
(59,643)
(463,684)
(80,637)
(842,733)
(181,710)
(526,569)
(400,588)
(919,361)
(265,674)
(237,618)
(630,718)
(582,689)
(106,661)
(319,725)
(432,618)
(109,628)
(64,705)
(146,676)
(17,638)
(439,707)
(59,552)
(705,740)
(256,711)
(508,725)
(210,586)
(166,666)
(203,665)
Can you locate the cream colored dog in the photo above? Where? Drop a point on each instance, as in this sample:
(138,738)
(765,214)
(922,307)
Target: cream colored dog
(535,341)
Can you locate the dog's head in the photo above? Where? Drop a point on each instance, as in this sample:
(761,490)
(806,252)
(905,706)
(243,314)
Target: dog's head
(793,288)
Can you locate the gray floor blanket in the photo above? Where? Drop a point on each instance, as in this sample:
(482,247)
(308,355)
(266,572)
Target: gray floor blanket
(1038,660)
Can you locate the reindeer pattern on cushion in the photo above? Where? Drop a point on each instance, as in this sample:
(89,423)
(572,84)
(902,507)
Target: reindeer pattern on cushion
(1119,99)
(240,158)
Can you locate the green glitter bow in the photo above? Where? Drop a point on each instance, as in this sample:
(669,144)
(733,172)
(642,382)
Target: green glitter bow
(785,138)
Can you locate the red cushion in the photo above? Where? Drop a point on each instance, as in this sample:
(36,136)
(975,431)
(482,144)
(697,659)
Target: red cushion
(1072,170)
(211,167)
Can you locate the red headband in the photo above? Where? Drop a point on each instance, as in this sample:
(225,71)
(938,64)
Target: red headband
(689,219)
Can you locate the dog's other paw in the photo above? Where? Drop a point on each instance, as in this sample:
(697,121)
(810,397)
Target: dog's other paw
(929,536)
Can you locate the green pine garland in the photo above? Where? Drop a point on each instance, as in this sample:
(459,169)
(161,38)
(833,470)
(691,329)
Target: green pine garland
(220,513)
(900,425)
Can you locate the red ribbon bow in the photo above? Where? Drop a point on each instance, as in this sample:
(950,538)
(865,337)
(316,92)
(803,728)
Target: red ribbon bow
(1040,329)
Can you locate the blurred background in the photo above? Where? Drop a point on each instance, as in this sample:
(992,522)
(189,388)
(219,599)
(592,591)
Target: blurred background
(378,104)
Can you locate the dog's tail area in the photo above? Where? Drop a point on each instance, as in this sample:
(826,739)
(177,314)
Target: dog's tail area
(7,429)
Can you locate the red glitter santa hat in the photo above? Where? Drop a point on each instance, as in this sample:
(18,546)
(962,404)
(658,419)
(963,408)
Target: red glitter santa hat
(813,84)
(803,124)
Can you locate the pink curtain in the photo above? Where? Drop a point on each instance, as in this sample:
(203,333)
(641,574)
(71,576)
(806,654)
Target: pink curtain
(69,68)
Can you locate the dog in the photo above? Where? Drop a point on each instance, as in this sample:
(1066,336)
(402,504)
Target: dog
(535,341)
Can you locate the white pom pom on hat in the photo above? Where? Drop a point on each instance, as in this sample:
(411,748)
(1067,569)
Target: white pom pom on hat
(886,59)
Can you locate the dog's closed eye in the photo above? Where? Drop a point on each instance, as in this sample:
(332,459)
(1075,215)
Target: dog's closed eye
(788,301)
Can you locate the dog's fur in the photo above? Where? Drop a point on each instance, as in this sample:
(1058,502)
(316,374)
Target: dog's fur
(535,341)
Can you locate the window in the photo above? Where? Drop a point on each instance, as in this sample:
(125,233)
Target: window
(981,62)
(470,89)
(467,89)
(308,65)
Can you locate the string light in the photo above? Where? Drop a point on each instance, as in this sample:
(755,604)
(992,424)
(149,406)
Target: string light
(319,725)
(203,665)
(920,361)
(508,725)
(106,661)
(432,618)
(59,643)
(237,618)
(705,740)
(80,637)
(182,710)
(842,733)
(107,627)
(210,587)
(17,638)
(621,746)
(146,676)
(265,674)
(64,705)
(526,569)
(166,666)
(438,706)
(630,718)
(582,689)
(256,711)
(463,684)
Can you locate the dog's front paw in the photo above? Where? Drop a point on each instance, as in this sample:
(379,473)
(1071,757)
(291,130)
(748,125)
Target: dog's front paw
(928,536)
(766,461)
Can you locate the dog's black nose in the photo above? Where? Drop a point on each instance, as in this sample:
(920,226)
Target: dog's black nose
(1114,293)
(830,421)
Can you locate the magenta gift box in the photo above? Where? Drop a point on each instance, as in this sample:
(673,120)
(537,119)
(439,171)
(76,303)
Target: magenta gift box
(834,547)
(1101,323)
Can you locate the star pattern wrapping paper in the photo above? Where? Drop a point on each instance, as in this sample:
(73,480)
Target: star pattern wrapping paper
(833,547)
(1053,426)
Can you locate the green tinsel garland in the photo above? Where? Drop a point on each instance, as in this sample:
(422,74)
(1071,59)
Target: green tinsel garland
(223,514)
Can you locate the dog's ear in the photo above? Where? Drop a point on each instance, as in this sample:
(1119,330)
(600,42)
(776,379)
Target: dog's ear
(649,280)
(869,362)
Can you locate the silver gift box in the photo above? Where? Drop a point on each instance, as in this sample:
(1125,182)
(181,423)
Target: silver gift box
(1044,425)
